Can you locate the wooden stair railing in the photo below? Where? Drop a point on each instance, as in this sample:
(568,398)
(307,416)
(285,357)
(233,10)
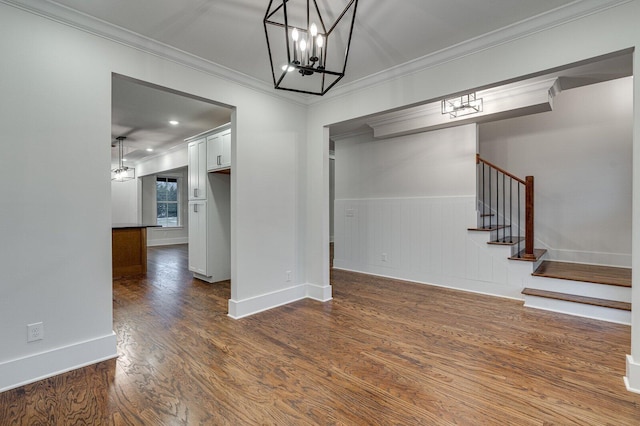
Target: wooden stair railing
(499,199)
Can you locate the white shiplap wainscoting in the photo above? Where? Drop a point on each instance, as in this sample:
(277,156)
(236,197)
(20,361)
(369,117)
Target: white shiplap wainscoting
(425,240)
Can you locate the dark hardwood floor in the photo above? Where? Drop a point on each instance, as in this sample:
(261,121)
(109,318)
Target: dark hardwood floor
(382,352)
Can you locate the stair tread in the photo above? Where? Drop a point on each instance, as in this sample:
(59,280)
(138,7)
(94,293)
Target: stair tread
(614,304)
(507,241)
(538,253)
(489,228)
(597,274)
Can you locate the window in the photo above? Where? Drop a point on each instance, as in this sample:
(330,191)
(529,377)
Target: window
(167,202)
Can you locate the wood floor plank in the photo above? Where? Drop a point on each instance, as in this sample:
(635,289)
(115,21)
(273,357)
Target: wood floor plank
(583,272)
(605,303)
(381,352)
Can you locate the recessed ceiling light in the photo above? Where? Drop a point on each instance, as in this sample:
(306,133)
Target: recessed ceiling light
(150,149)
(174,122)
(124,159)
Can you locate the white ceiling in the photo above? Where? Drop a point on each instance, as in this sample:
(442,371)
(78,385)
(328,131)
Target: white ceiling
(141,112)
(386,33)
(389,38)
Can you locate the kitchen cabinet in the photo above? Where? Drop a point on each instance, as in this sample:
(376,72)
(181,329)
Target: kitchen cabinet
(219,150)
(210,205)
(198,238)
(197,154)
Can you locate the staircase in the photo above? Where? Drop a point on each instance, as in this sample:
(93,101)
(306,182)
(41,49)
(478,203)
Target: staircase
(506,212)
(592,291)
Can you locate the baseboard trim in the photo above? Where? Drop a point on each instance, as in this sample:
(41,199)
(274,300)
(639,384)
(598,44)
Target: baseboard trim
(490,289)
(632,379)
(167,241)
(253,305)
(32,368)
(319,293)
(246,307)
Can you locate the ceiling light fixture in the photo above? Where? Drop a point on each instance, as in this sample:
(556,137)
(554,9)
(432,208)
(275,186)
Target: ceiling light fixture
(318,52)
(174,122)
(122,173)
(462,105)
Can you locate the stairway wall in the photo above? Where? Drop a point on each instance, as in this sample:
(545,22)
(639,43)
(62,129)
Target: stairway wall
(580,155)
(424,239)
(402,209)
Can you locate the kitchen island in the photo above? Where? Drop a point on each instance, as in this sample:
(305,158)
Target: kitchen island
(129,249)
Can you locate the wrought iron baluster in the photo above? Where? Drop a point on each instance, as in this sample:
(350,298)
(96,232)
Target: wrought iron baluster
(490,199)
(497,202)
(484,216)
(519,216)
(504,212)
(511,209)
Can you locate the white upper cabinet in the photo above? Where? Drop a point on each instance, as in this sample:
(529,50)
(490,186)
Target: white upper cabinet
(219,150)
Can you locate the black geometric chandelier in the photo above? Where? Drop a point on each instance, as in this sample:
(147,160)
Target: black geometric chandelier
(308,49)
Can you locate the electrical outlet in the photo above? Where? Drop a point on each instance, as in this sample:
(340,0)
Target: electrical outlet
(35,331)
(383,257)
(288,273)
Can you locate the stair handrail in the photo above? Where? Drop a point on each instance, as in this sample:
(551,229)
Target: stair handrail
(501,170)
(528,183)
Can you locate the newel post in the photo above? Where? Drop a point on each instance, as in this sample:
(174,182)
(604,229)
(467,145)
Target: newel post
(528,234)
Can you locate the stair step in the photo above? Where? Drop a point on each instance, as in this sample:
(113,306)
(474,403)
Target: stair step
(507,241)
(578,299)
(538,253)
(489,228)
(585,273)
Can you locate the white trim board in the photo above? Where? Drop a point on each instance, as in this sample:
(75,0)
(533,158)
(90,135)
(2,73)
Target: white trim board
(155,242)
(32,368)
(68,16)
(632,378)
(253,305)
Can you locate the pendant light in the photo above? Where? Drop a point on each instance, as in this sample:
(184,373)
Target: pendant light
(122,173)
(307,52)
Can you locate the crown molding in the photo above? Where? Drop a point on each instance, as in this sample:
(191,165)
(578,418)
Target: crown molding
(89,24)
(81,21)
(575,10)
(353,134)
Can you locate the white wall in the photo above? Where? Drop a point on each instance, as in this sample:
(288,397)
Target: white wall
(124,201)
(580,156)
(167,235)
(332,193)
(56,267)
(173,162)
(430,164)
(56,227)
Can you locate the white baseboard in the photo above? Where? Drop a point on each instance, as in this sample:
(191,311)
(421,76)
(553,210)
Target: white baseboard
(471,286)
(253,305)
(319,293)
(632,379)
(167,241)
(29,369)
